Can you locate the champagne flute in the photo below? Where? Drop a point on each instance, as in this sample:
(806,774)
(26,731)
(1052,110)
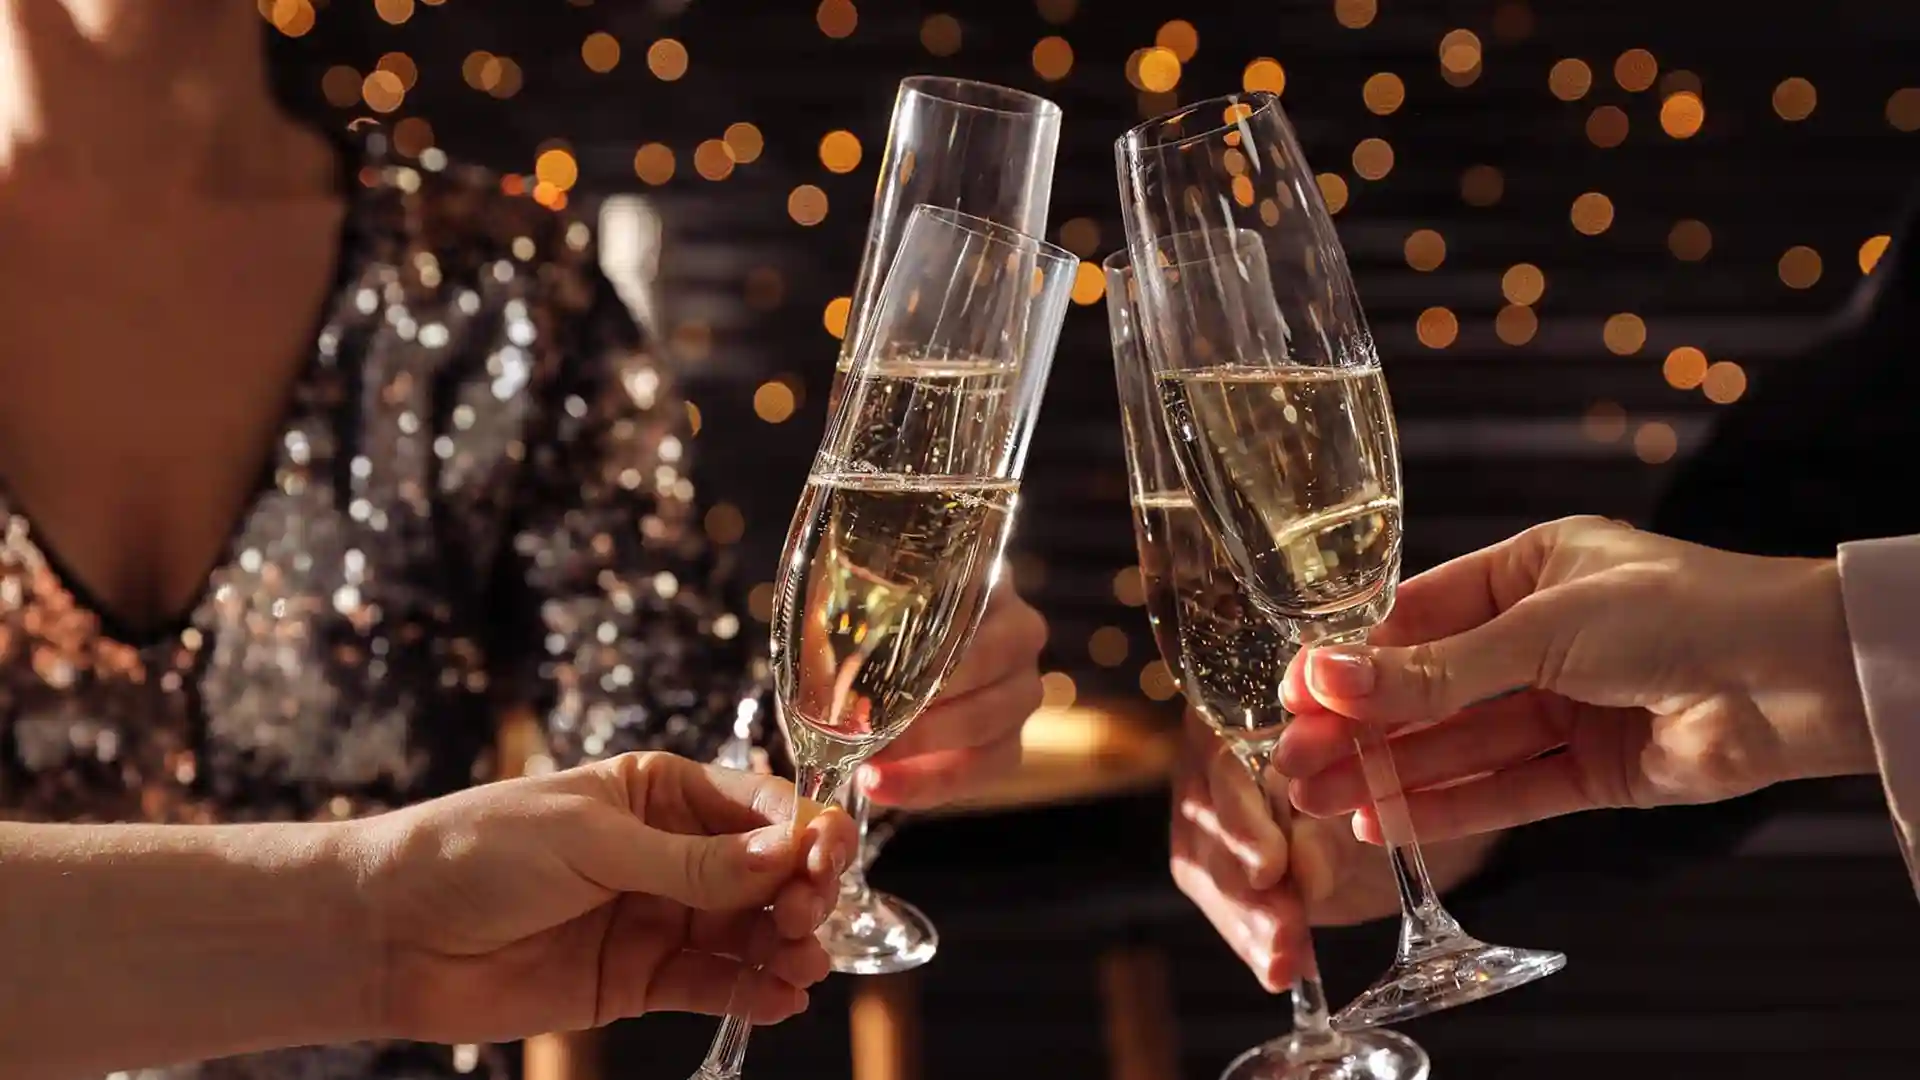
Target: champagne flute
(987,151)
(1230,660)
(1283,432)
(896,543)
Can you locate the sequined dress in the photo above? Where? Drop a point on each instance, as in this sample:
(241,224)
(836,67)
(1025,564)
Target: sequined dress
(478,501)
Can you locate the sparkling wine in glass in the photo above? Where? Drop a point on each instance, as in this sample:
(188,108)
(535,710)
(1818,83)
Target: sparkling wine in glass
(987,151)
(1283,432)
(896,543)
(1230,659)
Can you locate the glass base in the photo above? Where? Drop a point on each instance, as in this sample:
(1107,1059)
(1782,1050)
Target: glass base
(1373,1054)
(884,935)
(1456,974)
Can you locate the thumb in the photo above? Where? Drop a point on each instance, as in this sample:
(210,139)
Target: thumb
(728,872)
(1432,681)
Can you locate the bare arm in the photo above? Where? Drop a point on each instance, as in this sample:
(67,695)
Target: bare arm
(132,945)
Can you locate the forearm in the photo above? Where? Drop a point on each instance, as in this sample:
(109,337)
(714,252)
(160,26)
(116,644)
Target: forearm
(128,945)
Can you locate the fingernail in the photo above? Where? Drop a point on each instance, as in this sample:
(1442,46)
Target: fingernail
(838,860)
(766,848)
(821,909)
(868,777)
(1340,672)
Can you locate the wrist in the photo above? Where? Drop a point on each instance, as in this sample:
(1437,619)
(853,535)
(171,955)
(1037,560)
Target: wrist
(1803,678)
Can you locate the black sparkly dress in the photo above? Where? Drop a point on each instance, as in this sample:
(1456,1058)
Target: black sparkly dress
(478,501)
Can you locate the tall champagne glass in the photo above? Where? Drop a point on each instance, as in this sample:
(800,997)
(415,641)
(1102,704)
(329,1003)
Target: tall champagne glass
(1283,432)
(1230,659)
(897,540)
(987,151)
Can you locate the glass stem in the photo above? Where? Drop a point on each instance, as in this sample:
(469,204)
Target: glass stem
(1313,1033)
(854,891)
(1425,925)
(728,1053)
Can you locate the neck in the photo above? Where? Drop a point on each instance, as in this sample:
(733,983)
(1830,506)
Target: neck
(145,98)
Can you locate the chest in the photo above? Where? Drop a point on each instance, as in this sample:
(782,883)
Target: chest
(146,378)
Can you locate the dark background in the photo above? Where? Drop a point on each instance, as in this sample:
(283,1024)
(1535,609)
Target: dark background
(1790,955)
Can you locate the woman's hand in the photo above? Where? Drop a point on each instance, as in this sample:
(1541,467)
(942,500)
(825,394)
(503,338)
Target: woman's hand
(1232,858)
(636,884)
(1584,664)
(971,733)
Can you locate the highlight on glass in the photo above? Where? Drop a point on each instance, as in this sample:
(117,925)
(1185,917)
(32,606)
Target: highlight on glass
(895,546)
(987,151)
(1283,432)
(1229,659)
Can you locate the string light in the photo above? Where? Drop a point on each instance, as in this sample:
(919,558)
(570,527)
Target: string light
(1081,236)
(712,160)
(1159,70)
(1052,58)
(1607,126)
(1523,284)
(393,11)
(940,35)
(1724,383)
(1425,250)
(1570,79)
(840,151)
(653,164)
(839,309)
(1903,109)
(1592,214)
(725,524)
(1108,646)
(1384,93)
(1355,14)
(773,402)
(836,18)
(1624,334)
(1655,442)
(1871,251)
(667,59)
(1684,368)
(1690,240)
(807,205)
(1130,587)
(1265,74)
(1682,114)
(1436,328)
(1373,159)
(1635,70)
(1057,12)
(1795,99)
(1180,38)
(1089,284)
(1604,422)
(600,52)
(1800,267)
(1516,324)
(744,142)
(1482,186)
(1057,690)
(1333,191)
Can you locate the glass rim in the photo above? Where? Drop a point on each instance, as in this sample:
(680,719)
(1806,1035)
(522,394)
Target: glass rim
(991,231)
(1262,101)
(1033,104)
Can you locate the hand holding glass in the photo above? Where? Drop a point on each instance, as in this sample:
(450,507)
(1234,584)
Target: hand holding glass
(1284,436)
(896,543)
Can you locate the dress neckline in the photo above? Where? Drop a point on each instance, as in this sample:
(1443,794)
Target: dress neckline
(140,635)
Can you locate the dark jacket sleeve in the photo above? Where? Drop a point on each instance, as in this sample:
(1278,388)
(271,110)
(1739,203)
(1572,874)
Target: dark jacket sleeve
(1824,449)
